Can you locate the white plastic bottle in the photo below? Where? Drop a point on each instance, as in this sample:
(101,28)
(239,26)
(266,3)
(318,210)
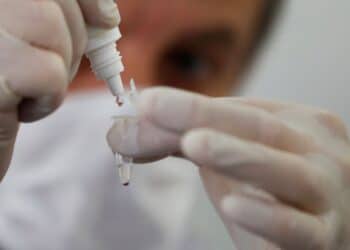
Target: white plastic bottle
(105,59)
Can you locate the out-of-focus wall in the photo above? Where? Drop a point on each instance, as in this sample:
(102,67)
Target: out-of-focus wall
(308,58)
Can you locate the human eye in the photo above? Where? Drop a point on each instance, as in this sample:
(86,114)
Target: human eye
(196,60)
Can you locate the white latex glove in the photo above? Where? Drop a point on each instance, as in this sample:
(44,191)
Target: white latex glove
(41,46)
(277,172)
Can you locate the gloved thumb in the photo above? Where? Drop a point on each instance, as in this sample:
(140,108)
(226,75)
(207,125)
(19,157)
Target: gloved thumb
(26,110)
(100,13)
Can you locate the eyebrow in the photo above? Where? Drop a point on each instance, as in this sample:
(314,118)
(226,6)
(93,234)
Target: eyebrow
(214,36)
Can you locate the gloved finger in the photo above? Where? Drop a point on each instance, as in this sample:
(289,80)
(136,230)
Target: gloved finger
(267,105)
(100,13)
(8,132)
(320,125)
(8,125)
(77,28)
(39,23)
(325,118)
(180,111)
(38,73)
(286,176)
(288,228)
(141,140)
(8,99)
(30,109)
(270,106)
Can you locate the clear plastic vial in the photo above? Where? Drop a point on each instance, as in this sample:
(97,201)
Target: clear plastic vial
(126,110)
(124,165)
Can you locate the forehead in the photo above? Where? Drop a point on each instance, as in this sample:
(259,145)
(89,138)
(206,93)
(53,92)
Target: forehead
(158,21)
(239,14)
(190,12)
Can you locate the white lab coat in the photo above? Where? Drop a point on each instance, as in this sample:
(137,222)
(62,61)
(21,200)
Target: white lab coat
(62,191)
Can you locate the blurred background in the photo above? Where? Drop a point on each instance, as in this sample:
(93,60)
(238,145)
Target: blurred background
(306,60)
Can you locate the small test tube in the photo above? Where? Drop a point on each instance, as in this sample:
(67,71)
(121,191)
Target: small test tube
(124,165)
(127,109)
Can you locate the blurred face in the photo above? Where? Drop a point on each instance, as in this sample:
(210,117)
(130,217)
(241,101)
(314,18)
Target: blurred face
(199,45)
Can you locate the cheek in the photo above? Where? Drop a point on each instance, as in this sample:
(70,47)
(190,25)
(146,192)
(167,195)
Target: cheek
(215,88)
(224,85)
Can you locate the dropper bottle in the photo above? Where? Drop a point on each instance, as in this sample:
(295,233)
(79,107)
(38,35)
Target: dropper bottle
(107,65)
(105,59)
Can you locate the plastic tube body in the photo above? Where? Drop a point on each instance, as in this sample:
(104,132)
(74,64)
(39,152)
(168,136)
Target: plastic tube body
(127,110)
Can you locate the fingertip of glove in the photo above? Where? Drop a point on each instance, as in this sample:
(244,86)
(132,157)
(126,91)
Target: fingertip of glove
(8,98)
(101,13)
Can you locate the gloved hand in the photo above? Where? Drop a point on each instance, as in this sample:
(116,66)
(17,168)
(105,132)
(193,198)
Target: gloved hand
(277,172)
(41,46)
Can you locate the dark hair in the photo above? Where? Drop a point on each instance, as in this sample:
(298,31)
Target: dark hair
(266,22)
(269,15)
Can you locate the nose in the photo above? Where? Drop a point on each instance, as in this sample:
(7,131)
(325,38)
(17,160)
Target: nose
(148,26)
(138,55)
(139,60)
(131,12)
